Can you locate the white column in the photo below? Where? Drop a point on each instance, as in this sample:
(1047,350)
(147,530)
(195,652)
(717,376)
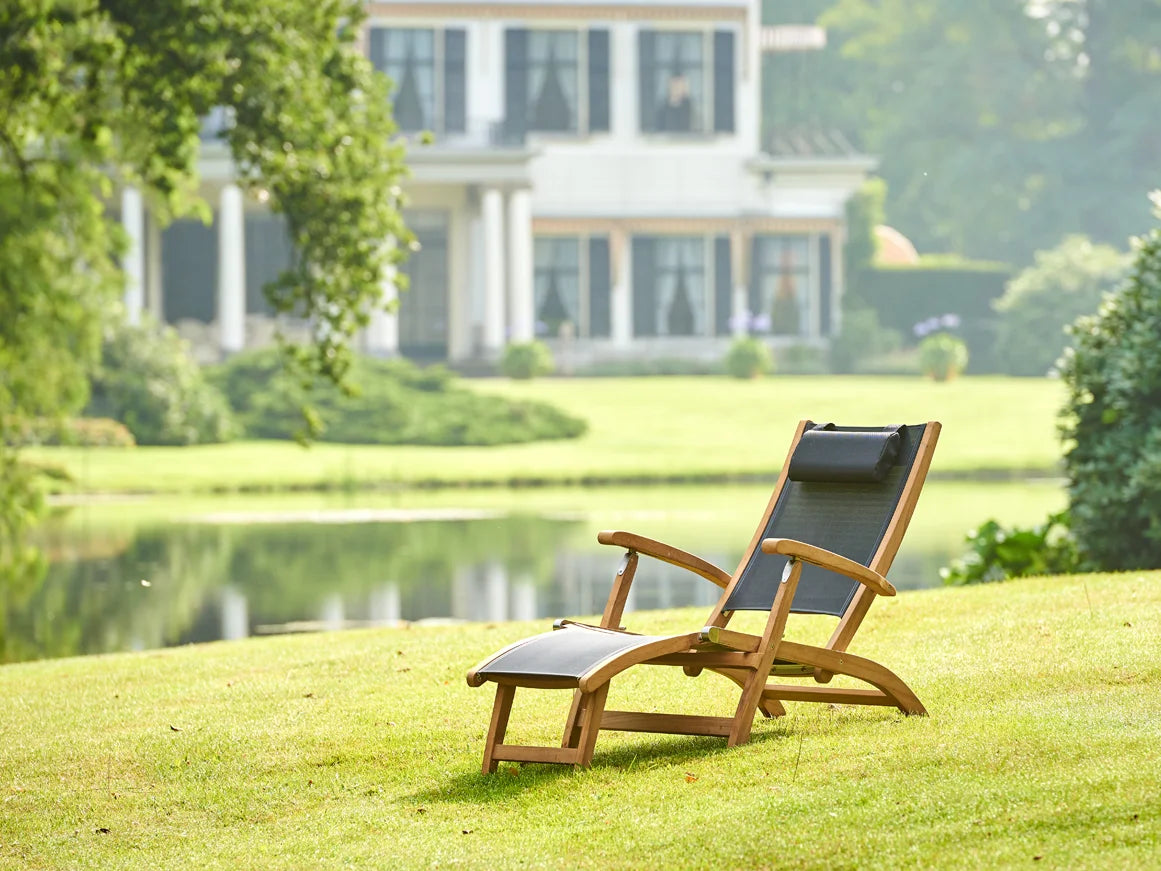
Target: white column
(460,270)
(235,615)
(231,270)
(386,609)
(622,302)
(521,320)
(740,303)
(492,206)
(133,263)
(524,599)
(382,334)
(625,112)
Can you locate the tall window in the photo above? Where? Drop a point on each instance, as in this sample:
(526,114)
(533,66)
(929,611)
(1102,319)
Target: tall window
(781,293)
(553,81)
(556,81)
(572,284)
(557,282)
(686,81)
(671,288)
(426,68)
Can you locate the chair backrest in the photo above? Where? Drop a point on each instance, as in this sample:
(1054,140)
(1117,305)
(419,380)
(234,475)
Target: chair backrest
(850,490)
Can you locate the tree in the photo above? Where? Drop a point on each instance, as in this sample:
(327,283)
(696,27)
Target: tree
(1001,125)
(102,93)
(1066,282)
(1111,421)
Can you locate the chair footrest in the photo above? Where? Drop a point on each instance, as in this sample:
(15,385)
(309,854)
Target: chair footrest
(674,724)
(826,694)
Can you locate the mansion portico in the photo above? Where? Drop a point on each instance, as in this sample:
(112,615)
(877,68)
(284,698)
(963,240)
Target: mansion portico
(596,178)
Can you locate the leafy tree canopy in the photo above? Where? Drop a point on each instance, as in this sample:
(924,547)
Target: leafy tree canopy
(1001,125)
(96,94)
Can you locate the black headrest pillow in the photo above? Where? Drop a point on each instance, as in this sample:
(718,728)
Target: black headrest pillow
(825,454)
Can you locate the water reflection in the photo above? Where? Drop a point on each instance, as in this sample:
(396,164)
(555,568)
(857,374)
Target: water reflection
(160,584)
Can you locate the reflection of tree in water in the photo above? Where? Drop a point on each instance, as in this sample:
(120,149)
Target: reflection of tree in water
(285,572)
(98,604)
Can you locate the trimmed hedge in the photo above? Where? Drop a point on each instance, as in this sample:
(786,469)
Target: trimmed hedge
(395,402)
(904,296)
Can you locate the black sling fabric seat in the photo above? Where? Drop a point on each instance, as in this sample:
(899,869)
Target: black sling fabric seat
(828,536)
(563,655)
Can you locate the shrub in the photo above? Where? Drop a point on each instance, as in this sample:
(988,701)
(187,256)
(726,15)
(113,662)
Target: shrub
(394,402)
(1111,420)
(748,357)
(942,356)
(148,381)
(525,360)
(860,340)
(1066,282)
(996,553)
(85,432)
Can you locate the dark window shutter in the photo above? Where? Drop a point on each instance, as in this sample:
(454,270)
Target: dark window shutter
(600,286)
(825,285)
(646,53)
(377,47)
(723,286)
(644,292)
(516,82)
(455,101)
(754,301)
(599,81)
(723,81)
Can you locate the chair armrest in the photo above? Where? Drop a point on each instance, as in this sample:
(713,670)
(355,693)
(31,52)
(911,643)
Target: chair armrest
(826,559)
(665,553)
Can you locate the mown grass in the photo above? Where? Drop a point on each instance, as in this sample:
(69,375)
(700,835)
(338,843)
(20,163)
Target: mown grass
(640,429)
(362,749)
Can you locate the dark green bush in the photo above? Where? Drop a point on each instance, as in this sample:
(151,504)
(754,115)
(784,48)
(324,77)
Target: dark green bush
(904,296)
(87,432)
(525,360)
(1064,284)
(148,381)
(996,553)
(1111,421)
(395,402)
(748,357)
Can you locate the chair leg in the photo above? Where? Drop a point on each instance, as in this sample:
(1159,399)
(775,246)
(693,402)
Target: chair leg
(594,708)
(771,708)
(747,707)
(572,724)
(499,725)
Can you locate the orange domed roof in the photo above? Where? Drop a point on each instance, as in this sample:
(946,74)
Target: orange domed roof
(893,247)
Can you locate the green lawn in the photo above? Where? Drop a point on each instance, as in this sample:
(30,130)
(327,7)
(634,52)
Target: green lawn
(639,429)
(362,750)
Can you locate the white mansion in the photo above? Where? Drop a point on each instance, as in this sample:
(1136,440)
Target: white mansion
(597,173)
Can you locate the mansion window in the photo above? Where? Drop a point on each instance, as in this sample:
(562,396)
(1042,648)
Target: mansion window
(426,68)
(571,285)
(782,285)
(556,81)
(671,286)
(686,81)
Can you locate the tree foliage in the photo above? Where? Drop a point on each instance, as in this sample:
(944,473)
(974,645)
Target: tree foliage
(1065,283)
(1112,420)
(1000,125)
(96,94)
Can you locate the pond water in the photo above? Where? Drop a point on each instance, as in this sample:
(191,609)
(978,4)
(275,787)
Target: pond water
(133,575)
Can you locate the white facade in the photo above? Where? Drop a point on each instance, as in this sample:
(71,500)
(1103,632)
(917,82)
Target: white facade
(597,180)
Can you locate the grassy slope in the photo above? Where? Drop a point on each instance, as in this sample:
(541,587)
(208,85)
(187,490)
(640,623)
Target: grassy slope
(660,428)
(362,749)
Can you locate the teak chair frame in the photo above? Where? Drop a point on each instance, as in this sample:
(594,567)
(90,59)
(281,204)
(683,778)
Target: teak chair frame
(744,658)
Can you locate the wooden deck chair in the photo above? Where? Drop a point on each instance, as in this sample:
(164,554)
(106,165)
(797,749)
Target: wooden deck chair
(829,533)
